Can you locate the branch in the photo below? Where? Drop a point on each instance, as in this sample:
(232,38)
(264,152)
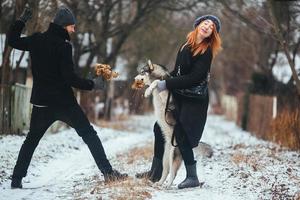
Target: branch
(179,5)
(245,19)
(279,35)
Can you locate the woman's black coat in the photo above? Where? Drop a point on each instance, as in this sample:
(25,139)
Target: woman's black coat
(191,114)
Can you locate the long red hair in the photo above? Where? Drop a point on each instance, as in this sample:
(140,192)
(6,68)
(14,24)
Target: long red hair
(214,41)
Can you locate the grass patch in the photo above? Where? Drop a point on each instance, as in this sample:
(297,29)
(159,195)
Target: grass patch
(137,153)
(285,129)
(131,188)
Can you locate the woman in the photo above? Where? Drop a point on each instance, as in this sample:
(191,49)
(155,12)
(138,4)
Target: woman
(192,67)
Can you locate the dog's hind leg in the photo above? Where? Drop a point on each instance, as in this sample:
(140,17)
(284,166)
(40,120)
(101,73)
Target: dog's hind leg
(166,162)
(175,163)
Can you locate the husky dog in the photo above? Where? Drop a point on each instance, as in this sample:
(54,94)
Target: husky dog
(172,159)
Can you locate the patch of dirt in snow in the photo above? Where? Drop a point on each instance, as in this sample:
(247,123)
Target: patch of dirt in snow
(242,167)
(62,167)
(136,123)
(138,155)
(137,159)
(247,167)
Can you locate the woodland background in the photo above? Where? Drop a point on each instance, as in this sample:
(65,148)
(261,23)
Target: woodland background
(254,80)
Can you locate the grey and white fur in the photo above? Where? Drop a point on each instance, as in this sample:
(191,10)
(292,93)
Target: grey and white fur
(172,159)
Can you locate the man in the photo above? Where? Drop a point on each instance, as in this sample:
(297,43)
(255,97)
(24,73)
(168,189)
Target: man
(52,95)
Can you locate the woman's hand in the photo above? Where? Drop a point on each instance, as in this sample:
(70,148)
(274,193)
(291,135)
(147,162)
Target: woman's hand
(161,85)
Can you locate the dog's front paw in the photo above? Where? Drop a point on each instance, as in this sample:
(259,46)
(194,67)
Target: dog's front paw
(153,85)
(160,183)
(157,185)
(148,92)
(169,185)
(150,89)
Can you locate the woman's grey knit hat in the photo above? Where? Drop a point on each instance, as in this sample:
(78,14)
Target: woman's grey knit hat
(64,17)
(213,18)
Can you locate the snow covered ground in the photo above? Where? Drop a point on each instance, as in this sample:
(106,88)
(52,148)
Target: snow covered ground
(242,166)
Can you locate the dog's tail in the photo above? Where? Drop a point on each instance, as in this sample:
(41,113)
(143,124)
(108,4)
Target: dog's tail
(204,150)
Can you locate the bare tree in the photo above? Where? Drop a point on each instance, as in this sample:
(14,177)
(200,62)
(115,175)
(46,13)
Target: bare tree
(256,15)
(106,23)
(109,23)
(279,36)
(5,65)
(5,92)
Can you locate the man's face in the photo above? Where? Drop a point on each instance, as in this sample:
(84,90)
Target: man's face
(70,29)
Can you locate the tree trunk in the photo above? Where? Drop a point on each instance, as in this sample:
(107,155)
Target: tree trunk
(109,101)
(283,43)
(111,88)
(17,69)
(6,64)
(6,77)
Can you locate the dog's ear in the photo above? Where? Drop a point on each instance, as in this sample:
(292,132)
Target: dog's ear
(151,67)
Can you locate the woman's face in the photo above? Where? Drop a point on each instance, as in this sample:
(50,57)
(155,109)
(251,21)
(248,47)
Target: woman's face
(205,28)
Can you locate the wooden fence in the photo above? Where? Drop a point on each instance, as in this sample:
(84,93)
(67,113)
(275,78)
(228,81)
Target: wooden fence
(253,113)
(230,107)
(260,115)
(15,109)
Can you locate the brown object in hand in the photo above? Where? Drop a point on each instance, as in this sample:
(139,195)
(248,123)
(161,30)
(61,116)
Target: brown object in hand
(105,71)
(138,84)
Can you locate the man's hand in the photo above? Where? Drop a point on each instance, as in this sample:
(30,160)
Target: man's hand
(26,15)
(99,83)
(91,75)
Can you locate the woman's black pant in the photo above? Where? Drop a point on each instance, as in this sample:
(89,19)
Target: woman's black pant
(182,141)
(42,118)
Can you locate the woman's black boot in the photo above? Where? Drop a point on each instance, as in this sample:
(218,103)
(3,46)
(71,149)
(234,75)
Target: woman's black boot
(191,179)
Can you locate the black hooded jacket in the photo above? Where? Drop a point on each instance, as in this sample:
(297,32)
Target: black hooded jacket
(52,65)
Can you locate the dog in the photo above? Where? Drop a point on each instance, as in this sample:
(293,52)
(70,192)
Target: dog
(149,75)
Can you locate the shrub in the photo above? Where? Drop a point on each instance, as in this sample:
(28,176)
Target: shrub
(285,129)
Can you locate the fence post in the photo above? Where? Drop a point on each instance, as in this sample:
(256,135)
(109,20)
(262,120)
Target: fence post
(5,109)
(274,107)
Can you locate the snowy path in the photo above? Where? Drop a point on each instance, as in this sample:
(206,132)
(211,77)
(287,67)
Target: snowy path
(61,172)
(59,175)
(242,166)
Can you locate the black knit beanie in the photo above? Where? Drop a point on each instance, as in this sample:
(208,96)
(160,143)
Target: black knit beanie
(64,17)
(213,18)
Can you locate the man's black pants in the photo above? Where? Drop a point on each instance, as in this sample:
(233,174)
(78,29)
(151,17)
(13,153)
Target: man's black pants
(42,118)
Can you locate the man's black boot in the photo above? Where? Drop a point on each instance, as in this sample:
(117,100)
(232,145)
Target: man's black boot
(191,179)
(16,183)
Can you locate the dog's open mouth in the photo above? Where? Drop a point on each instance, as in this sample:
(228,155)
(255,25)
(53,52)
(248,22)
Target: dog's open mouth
(138,84)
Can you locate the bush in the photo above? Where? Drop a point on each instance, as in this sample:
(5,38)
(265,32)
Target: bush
(285,129)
